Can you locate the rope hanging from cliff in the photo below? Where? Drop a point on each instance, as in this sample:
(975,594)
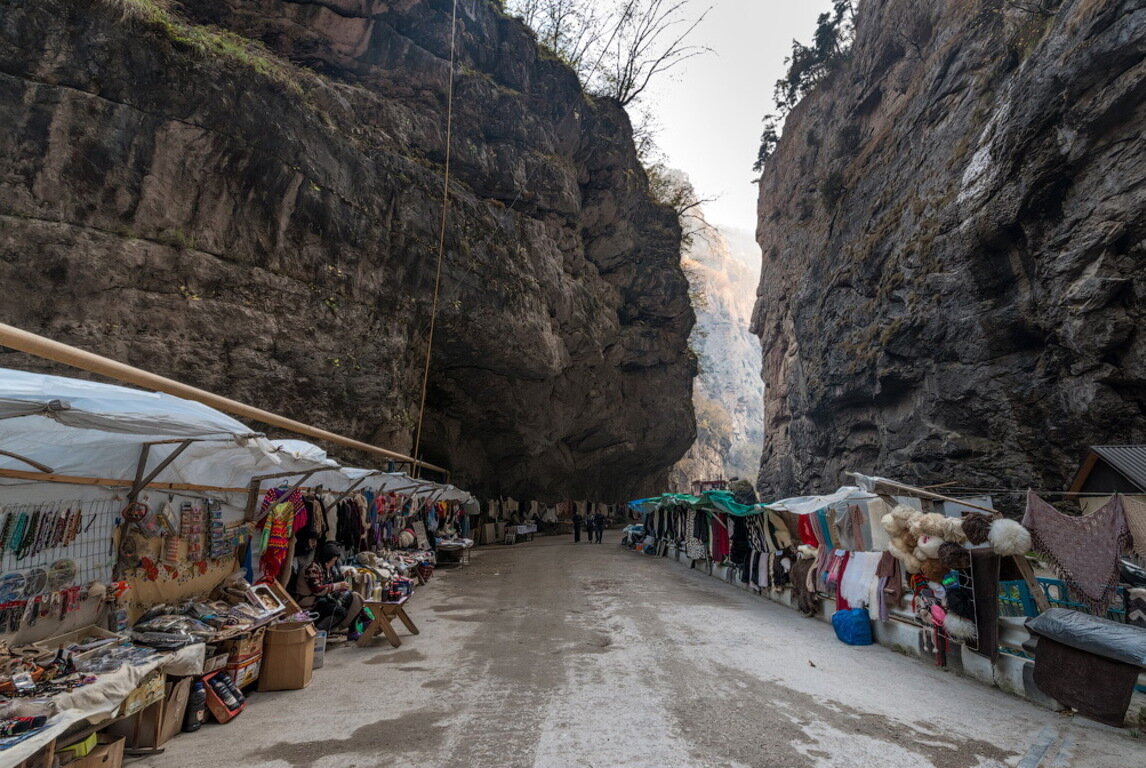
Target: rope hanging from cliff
(441,234)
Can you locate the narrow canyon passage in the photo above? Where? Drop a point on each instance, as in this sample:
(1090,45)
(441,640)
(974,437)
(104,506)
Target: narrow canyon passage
(556,654)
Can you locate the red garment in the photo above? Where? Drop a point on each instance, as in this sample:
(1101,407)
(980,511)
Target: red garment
(836,577)
(807,532)
(720,545)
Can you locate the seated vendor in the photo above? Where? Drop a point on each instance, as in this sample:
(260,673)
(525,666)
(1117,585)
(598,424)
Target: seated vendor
(320,589)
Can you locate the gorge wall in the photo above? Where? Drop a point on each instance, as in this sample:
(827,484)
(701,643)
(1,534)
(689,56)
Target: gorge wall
(953,230)
(247,195)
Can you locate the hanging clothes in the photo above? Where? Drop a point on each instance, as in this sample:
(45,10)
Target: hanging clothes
(807,531)
(1084,550)
(719,528)
(856,583)
(857,525)
(806,599)
(694,548)
(890,574)
(277,528)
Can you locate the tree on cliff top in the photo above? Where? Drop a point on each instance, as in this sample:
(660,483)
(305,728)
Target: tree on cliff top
(808,65)
(617,47)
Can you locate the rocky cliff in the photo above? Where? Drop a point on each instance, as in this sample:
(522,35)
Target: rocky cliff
(729,394)
(953,235)
(247,196)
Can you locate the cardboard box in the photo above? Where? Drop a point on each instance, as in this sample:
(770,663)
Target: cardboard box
(158,723)
(109,754)
(245,672)
(149,691)
(288,656)
(245,646)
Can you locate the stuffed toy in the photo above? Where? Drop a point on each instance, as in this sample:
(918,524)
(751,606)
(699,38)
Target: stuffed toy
(1009,538)
(927,547)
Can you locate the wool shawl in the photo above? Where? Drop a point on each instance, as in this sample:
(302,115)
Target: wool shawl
(1084,550)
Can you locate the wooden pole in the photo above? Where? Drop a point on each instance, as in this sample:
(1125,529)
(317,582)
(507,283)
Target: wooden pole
(19,474)
(33,344)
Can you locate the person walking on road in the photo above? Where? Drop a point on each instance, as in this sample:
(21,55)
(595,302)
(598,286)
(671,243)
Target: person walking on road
(577,527)
(599,526)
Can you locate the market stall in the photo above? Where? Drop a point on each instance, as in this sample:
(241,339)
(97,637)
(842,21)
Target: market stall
(886,561)
(147,556)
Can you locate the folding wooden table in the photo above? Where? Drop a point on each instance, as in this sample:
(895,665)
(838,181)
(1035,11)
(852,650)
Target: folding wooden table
(384,613)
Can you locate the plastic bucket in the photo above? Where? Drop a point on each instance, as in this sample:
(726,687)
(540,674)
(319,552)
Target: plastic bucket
(319,649)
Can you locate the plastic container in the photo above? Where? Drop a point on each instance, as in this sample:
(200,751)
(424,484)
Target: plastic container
(196,708)
(319,649)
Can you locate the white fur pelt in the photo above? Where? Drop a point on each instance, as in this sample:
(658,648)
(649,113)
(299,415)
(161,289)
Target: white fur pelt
(958,628)
(1009,538)
(939,526)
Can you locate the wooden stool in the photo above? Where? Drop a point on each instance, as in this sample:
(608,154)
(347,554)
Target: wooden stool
(384,613)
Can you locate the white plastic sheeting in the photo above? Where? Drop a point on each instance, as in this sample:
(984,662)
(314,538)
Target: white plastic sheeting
(806,505)
(94,430)
(109,408)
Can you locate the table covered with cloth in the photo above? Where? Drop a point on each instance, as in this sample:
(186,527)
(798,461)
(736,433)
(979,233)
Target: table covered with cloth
(98,702)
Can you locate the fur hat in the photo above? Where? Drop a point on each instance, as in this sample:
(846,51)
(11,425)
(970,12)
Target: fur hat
(959,628)
(977,528)
(940,526)
(896,521)
(1009,538)
(901,547)
(954,557)
(960,602)
(933,570)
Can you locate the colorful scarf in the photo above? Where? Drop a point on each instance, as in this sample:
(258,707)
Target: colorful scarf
(1084,550)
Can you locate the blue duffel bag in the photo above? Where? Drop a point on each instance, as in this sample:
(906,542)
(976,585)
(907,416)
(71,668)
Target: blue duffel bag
(852,626)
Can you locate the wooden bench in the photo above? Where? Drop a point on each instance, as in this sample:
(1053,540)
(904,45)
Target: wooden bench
(384,613)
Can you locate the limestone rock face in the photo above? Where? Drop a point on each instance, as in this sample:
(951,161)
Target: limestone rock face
(729,394)
(953,249)
(262,219)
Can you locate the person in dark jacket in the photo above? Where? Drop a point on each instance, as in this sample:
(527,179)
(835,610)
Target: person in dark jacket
(599,526)
(576,527)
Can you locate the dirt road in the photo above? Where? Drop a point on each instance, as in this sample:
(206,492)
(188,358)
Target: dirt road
(556,655)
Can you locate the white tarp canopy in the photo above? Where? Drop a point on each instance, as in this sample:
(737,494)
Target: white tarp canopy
(95,430)
(806,505)
(108,408)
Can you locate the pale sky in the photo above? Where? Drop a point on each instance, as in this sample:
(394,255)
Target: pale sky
(709,109)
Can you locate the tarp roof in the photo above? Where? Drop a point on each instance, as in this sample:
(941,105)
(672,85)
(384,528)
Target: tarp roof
(724,501)
(95,430)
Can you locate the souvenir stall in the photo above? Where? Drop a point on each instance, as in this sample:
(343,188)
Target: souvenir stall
(146,545)
(91,476)
(909,567)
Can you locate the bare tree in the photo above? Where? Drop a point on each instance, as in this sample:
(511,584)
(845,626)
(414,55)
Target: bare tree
(616,46)
(568,28)
(651,38)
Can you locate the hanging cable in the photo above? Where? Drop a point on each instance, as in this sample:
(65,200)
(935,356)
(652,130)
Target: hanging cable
(442,231)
